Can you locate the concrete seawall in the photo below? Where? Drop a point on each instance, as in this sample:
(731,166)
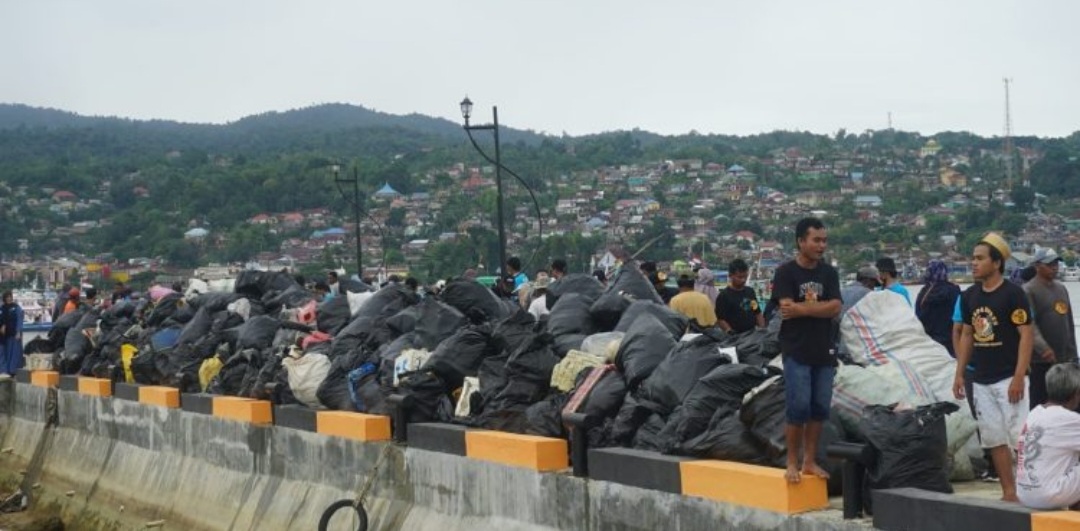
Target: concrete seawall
(126,463)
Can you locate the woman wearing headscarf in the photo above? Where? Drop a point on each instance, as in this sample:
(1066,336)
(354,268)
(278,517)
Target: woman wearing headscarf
(706,283)
(11,323)
(935,303)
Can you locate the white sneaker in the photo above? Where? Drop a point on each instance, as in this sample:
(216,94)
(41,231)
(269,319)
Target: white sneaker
(5,376)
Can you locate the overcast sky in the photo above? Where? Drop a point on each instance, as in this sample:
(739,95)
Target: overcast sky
(579,66)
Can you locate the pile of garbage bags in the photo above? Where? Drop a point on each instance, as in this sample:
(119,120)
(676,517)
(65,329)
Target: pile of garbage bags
(616,354)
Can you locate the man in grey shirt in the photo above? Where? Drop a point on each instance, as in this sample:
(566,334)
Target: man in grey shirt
(1055,335)
(867,279)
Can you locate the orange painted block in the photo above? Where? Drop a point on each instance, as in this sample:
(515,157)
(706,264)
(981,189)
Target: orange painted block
(359,426)
(243,409)
(1056,521)
(752,486)
(156,395)
(95,386)
(526,451)
(45,378)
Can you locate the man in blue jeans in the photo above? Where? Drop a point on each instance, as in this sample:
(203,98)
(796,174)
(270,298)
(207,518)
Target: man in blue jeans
(808,291)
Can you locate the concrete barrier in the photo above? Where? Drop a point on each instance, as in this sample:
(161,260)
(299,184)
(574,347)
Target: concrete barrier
(156,461)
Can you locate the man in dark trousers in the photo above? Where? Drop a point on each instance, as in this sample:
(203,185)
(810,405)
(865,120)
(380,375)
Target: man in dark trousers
(997,339)
(1055,332)
(808,291)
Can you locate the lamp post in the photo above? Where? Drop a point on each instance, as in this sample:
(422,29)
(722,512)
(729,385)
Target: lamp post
(355,201)
(466,112)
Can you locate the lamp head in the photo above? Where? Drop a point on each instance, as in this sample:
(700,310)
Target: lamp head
(466,108)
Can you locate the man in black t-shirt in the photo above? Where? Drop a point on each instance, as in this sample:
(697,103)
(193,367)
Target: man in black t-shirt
(737,307)
(808,291)
(997,339)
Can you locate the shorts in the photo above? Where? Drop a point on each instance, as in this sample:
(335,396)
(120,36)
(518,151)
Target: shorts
(999,421)
(807,391)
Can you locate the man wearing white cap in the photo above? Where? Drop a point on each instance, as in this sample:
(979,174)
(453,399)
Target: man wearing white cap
(997,339)
(1055,337)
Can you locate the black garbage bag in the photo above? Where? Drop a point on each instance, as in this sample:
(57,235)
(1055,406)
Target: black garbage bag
(628,285)
(570,316)
(460,355)
(214,301)
(77,344)
(493,378)
(725,438)
(197,328)
(353,286)
(231,377)
(564,344)
(404,321)
(144,367)
(38,345)
(163,309)
(674,321)
(334,391)
(183,314)
(582,284)
(687,363)
(332,315)
(279,281)
(642,349)
(249,284)
(544,418)
(388,353)
(58,332)
(648,435)
(758,346)
(368,328)
(630,417)
(364,390)
(606,397)
(910,446)
(527,377)
(766,417)
(293,297)
(475,301)
(514,332)
(437,321)
(258,332)
(431,398)
(719,392)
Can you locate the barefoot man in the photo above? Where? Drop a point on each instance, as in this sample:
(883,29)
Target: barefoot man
(809,293)
(997,339)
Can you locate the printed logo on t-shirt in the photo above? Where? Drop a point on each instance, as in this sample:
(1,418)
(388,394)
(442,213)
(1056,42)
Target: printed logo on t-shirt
(811,291)
(1019,317)
(753,305)
(1061,307)
(1028,449)
(983,321)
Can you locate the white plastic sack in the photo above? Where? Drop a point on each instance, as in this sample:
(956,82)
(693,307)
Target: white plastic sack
(357,300)
(196,286)
(605,344)
(306,374)
(408,361)
(224,285)
(882,328)
(469,388)
(242,307)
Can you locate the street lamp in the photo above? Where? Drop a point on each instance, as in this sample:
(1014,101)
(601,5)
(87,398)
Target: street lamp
(466,112)
(355,201)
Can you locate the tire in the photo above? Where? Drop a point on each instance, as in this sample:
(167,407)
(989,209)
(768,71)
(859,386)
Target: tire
(324,520)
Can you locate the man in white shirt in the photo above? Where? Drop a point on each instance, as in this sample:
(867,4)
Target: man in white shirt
(1048,454)
(538,307)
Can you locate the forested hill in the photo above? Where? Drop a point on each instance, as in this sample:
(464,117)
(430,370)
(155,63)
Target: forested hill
(141,183)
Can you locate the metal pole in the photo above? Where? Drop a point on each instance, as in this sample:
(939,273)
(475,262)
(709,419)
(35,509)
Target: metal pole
(356,213)
(499,198)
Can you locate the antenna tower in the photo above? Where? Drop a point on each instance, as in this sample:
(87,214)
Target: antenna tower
(890,120)
(1008,145)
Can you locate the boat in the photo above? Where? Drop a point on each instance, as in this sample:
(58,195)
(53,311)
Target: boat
(37,309)
(1072,274)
